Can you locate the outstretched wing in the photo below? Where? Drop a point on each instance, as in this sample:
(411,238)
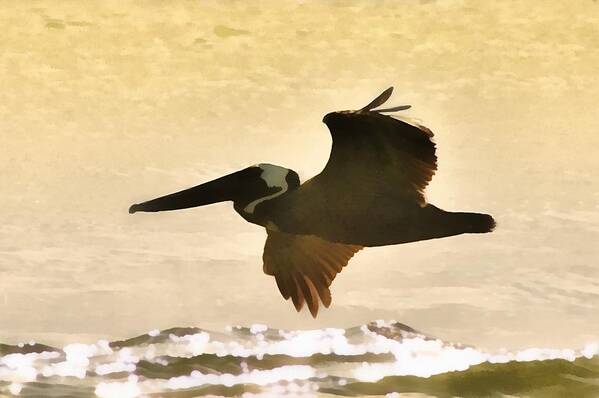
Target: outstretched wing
(379,155)
(304,266)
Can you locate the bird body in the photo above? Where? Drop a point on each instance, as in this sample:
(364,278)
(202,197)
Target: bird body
(370,193)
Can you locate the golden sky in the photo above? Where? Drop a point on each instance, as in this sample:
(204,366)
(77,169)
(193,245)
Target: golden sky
(103,104)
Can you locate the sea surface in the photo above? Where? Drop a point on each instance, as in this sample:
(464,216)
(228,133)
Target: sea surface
(381,358)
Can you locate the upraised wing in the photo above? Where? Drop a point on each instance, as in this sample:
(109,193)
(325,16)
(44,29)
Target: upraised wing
(304,266)
(380,154)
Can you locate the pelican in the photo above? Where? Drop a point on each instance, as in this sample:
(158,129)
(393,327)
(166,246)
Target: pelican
(370,193)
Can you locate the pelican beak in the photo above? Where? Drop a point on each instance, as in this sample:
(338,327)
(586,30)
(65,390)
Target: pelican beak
(219,190)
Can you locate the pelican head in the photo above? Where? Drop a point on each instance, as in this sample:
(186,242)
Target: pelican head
(246,188)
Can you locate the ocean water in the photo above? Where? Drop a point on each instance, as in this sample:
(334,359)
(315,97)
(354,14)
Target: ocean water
(381,358)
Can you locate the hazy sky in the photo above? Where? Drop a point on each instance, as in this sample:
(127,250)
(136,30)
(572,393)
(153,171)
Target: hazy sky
(103,104)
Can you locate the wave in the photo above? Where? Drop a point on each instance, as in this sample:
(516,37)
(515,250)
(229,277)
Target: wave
(380,358)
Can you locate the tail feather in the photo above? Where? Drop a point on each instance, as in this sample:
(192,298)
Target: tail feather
(473,223)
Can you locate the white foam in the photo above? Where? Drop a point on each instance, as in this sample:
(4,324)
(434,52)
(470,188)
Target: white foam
(195,344)
(15,388)
(258,377)
(128,389)
(76,362)
(154,333)
(20,367)
(420,357)
(425,357)
(115,367)
(258,328)
(590,350)
(23,367)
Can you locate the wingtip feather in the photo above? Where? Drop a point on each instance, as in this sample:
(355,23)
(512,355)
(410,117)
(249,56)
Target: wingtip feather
(378,101)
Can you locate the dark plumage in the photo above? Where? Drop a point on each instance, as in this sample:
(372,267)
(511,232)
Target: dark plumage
(370,193)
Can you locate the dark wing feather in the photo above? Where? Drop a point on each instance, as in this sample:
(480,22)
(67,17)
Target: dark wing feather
(378,101)
(375,154)
(304,266)
(394,109)
(371,190)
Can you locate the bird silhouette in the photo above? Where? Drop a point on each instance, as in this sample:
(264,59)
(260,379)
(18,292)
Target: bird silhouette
(370,193)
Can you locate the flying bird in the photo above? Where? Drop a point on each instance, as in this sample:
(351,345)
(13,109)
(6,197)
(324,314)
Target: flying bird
(370,193)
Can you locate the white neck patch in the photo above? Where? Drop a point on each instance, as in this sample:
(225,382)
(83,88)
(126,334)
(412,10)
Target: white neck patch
(274,176)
